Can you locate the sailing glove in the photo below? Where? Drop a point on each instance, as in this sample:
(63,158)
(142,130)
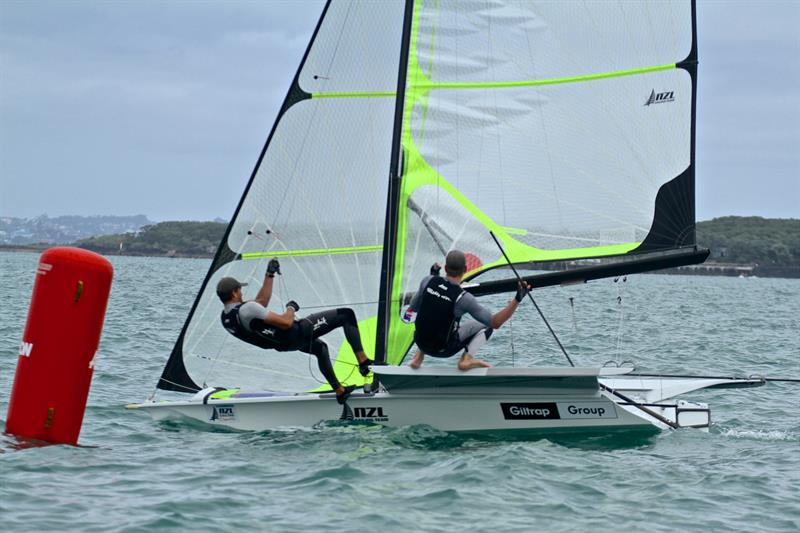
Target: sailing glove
(522,290)
(293,305)
(273,267)
(436,268)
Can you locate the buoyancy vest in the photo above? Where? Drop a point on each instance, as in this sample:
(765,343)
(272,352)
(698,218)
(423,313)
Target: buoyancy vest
(260,334)
(436,322)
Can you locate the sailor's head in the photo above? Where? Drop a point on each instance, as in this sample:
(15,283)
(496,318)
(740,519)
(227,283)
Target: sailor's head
(455,264)
(229,289)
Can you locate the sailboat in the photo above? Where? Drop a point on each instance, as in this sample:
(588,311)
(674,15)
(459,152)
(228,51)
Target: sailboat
(414,127)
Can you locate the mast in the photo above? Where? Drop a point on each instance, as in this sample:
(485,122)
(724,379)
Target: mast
(393,197)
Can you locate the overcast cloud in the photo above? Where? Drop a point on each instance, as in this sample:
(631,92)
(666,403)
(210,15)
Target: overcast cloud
(161,108)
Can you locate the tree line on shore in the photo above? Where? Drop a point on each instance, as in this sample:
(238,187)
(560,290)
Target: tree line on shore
(732,240)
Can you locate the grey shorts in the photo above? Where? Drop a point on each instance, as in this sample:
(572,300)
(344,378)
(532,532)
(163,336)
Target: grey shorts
(471,336)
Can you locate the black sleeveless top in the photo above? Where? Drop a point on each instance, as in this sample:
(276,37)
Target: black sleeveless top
(436,322)
(261,334)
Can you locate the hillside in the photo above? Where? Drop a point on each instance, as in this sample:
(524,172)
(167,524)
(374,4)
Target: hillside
(751,240)
(766,247)
(171,239)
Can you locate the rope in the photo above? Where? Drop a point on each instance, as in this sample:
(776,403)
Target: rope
(513,355)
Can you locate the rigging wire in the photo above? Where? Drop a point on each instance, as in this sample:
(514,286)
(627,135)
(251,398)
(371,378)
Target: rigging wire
(621,313)
(789,380)
(563,350)
(511,330)
(604,387)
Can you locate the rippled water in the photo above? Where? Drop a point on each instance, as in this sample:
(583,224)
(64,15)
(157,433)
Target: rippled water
(134,474)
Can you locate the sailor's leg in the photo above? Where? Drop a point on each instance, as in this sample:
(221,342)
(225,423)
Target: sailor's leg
(324,322)
(416,362)
(472,335)
(319,349)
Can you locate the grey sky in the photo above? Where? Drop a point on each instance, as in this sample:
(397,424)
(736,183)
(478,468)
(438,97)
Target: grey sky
(161,108)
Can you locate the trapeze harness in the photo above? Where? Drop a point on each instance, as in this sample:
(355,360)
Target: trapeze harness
(436,331)
(260,334)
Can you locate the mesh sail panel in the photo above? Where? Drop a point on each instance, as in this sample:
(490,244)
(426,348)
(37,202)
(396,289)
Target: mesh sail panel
(317,201)
(557,125)
(514,40)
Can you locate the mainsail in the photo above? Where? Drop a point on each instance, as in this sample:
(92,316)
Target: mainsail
(316,200)
(413,128)
(565,128)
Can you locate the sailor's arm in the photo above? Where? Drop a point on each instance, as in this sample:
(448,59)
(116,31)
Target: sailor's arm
(500,317)
(253,310)
(265,292)
(280,321)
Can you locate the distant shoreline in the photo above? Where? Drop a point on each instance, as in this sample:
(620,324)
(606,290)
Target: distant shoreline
(35,248)
(705,269)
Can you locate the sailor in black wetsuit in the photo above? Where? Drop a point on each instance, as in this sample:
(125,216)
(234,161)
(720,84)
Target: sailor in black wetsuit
(440,303)
(251,322)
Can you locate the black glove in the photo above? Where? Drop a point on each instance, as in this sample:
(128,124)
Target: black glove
(436,268)
(273,267)
(522,290)
(293,305)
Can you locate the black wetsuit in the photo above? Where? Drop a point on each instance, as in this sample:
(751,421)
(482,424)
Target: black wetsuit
(303,335)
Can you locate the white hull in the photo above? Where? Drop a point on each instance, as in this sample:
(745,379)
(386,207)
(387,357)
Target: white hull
(548,400)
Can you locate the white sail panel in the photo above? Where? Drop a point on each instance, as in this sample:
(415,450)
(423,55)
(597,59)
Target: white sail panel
(554,124)
(214,357)
(317,201)
(322,182)
(573,165)
(511,40)
(361,48)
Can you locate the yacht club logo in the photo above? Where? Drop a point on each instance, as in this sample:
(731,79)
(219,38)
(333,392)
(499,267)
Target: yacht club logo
(660,98)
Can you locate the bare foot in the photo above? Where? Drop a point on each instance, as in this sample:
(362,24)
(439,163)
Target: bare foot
(468,362)
(416,362)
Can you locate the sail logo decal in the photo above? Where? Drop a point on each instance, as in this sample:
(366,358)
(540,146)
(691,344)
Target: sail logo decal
(375,414)
(25,349)
(529,411)
(222,413)
(660,98)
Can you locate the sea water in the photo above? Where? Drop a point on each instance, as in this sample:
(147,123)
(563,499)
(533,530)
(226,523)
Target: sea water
(133,474)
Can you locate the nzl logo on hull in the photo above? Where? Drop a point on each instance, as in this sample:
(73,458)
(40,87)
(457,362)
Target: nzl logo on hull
(370,413)
(222,413)
(660,98)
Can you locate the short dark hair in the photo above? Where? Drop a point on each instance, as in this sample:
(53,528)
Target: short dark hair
(455,263)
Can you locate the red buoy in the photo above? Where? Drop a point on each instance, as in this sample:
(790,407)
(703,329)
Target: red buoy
(56,357)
